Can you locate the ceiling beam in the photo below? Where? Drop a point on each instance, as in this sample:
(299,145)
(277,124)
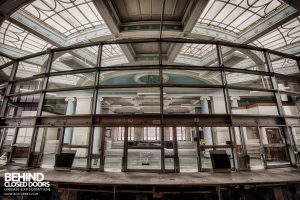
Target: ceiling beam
(112,21)
(7,7)
(190,18)
(272,22)
(294,3)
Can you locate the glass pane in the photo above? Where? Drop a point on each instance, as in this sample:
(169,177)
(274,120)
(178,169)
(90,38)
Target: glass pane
(247,102)
(144,159)
(75,59)
(244,59)
(144,148)
(65,17)
(27,86)
(253,147)
(4,60)
(129,77)
(22,146)
(236,16)
(248,80)
(71,80)
(221,135)
(214,136)
(129,100)
(274,146)
(146,137)
(2,93)
(187,149)
(21,106)
(193,101)
(81,155)
(169,149)
(113,150)
(206,160)
(296,133)
(288,84)
(39,140)
(76,135)
(291,104)
(51,147)
(8,140)
(96,146)
(5,74)
(194,77)
(198,55)
(16,37)
(113,54)
(68,102)
(283,65)
(32,66)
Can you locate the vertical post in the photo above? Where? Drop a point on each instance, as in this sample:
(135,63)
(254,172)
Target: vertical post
(223,77)
(227,102)
(280,109)
(274,84)
(96,108)
(175,149)
(125,150)
(70,111)
(206,130)
(8,89)
(13,142)
(97,130)
(102,155)
(262,150)
(161,89)
(47,69)
(198,149)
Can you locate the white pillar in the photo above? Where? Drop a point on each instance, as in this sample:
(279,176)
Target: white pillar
(234,102)
(70,111)
(97,130)
(206,130)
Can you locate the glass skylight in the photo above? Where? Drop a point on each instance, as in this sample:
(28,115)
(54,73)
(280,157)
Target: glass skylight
(4,60)
(196,50)
(67,17)
(110,51)
(237,15)
(12,35)
(285,35)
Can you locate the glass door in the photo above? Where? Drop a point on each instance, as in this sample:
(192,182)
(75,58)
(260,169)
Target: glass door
(188,142)
(143,149)
(47,145)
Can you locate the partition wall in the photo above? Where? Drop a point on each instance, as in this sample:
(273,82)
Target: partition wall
(152,116)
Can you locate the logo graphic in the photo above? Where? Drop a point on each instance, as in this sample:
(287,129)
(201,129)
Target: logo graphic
(24,184)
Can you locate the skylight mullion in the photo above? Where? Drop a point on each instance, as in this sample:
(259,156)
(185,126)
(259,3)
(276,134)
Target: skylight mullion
(67,10)
(213,19)
(88,4)
(89,22)
(236,6)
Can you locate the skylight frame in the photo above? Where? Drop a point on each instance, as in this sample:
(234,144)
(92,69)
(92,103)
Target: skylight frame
(71,15)
(251,10)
